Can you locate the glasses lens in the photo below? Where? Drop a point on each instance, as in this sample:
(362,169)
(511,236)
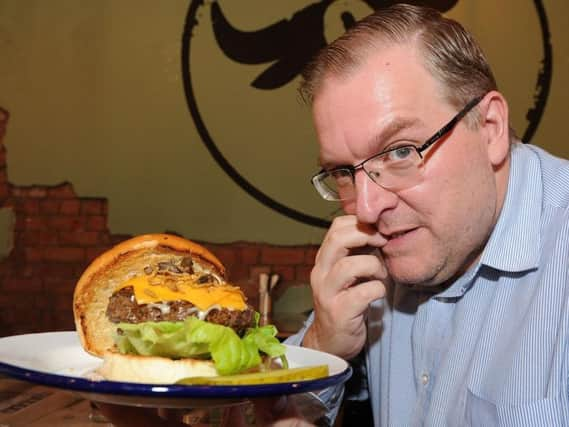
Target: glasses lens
(335,185)
(397,168)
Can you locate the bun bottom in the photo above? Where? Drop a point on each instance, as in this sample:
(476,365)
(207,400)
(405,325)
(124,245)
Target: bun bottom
(151,369)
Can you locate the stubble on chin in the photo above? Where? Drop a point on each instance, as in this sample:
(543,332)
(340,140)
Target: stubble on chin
(415,271)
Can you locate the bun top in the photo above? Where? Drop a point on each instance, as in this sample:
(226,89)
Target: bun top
(126,261)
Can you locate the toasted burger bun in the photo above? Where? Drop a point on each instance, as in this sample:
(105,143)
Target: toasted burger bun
(153,370)
(102,278)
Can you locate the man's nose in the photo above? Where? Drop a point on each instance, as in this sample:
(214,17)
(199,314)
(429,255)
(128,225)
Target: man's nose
(371,199)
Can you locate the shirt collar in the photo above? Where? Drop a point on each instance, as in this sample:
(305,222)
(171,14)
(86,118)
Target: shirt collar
(514,243)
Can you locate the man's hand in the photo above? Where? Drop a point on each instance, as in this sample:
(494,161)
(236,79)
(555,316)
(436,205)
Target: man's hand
(347,276)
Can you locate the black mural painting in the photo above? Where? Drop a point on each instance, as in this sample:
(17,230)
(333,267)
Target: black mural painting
(288,45)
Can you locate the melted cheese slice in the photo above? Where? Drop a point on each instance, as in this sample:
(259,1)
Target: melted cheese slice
(203,297)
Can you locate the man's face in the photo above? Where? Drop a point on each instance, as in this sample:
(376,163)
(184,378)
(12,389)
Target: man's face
(437,228)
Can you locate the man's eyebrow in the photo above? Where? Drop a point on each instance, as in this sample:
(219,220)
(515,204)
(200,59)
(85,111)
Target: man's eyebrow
(378,142)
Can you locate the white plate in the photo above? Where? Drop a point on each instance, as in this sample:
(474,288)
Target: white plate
(57,359)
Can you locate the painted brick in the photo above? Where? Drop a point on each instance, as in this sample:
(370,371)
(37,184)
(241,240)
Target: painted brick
(18,192)
(22,284)
(25,237)
(27,270)
(70,207)
(49,206)
(9,299)
(67,223)
(303,273)
(63,320)
(282,256)
(310,255)
(34,254)
(4,191)
(79,268)
(63,302)
(56,271)
(5,269)
(40,301)
(66,287)
(60,287)
(48,238)
(93,206)
(33,238)
(80,238)
(58,247)
(20,223)
(46,318)
(251,291)
(7,319)
(62,191)
(29,206)
(38,192)
(226,254)
(65,254)
(96,223)
(286,273)
(238,272)
(249,254)
(10,203)
(104,238)
(25,319)
(92,253)
(35,222)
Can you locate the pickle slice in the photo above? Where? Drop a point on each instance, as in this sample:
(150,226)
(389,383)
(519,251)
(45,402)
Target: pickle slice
(266,377)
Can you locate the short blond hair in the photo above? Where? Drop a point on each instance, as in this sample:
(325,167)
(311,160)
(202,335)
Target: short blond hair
(450,52)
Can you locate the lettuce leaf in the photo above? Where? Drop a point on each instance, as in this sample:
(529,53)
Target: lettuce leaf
(199,339)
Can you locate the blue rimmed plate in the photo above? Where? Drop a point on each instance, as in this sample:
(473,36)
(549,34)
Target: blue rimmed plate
(57,359)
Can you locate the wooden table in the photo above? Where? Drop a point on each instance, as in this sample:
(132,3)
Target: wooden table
(26,404)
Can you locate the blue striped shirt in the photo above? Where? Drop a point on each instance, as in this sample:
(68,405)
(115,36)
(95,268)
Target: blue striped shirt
(493,348)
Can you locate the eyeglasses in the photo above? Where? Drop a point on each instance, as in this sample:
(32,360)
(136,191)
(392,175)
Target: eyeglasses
(395,169)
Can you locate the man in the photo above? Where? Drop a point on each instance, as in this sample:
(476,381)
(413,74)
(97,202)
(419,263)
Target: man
(450,267)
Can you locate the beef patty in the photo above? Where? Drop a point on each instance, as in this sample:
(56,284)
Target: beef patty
(123,307)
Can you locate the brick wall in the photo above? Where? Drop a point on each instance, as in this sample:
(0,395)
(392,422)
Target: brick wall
(244,262)
(57,234)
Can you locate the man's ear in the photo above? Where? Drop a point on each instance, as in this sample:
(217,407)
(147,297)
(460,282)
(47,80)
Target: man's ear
(495,124)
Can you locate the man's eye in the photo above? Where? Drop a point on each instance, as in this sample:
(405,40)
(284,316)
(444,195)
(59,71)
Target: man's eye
(400,153)
(342,177)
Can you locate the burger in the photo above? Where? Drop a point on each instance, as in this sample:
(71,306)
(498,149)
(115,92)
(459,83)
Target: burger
(157,308)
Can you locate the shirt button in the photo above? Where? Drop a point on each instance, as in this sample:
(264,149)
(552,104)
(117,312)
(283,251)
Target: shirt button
(425,379)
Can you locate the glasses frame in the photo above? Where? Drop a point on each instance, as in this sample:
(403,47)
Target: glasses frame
(323,173)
